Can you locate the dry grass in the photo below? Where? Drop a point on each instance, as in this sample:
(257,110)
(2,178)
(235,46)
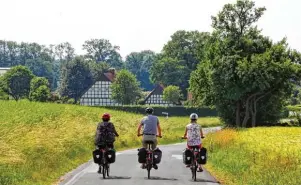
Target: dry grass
(257,156)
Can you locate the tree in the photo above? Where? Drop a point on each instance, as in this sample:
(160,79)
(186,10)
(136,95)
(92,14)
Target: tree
(64,51)
(101,50)
(139,63)
(186,47)
(16,82)
(125,88)
(76,78)
(172,94)
(244,75)
(169,71)
(41,68)
(39,89)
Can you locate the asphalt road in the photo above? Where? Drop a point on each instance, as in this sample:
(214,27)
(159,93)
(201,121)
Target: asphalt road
(126,170)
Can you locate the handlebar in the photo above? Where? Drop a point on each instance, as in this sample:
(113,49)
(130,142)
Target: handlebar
(186,137)
(156,135)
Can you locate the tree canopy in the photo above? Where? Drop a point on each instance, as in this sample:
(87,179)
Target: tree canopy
(184,51)
(16,82)
(244,74)
(125,88)
(139,63)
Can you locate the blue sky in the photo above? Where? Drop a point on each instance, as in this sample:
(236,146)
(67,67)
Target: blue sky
(134,25)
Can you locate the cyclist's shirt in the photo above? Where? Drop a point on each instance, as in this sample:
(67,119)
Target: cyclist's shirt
(193,134)
(150,123)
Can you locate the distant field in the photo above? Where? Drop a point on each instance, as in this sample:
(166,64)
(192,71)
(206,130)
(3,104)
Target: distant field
(257,156)
(40,142)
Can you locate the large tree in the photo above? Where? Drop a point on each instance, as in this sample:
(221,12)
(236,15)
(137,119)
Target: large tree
(139,63)
(16,82)
(185,47)
(244,75)
(101,50)
(125,88)
(170,71)
(76,78)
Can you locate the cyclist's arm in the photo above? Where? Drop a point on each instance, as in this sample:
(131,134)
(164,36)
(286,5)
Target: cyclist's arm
(139,128)
(185,134)
(115,132)
(159,128)
(202,134)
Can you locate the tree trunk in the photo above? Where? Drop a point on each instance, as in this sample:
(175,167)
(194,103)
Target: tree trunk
(247,111)
(254,113)
(238,114)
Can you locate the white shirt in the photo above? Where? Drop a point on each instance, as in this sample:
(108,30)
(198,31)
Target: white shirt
(193,134)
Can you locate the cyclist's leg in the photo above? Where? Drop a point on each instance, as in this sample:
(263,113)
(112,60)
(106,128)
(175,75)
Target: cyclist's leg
(154,145)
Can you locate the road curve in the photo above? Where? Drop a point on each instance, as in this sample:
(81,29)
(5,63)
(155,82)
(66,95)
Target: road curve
(126,170)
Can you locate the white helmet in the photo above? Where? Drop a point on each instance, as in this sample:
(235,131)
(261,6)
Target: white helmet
(194,116)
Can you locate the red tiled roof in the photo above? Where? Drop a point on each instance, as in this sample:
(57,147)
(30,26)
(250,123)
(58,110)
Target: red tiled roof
(110,76)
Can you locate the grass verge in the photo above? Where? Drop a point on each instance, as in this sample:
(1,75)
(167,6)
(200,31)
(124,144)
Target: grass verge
(39,142)
(257,156)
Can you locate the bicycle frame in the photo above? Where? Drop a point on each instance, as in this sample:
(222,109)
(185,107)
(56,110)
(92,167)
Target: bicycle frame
(103,163)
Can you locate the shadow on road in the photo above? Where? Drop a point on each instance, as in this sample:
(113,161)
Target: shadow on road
(161,178)
(204,180)
(116,177)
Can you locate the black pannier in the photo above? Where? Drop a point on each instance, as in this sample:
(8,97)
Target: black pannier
(157,156)
(202,158)
(111,156)
(142,155)
(187,156)
(97,155)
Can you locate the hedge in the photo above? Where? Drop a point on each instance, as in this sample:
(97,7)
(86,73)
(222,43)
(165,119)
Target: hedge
(172,111)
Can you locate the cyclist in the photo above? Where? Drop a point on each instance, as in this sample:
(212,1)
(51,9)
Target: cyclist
(105,134)
(194,133)
(151,127)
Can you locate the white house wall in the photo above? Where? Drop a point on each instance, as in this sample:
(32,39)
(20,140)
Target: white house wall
(156,99)
(99,95)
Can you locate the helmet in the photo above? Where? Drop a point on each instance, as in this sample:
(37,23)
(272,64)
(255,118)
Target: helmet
(194,116)
(149,110)
(106,116)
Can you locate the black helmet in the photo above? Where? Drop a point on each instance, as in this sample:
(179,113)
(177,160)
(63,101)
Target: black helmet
(149,110)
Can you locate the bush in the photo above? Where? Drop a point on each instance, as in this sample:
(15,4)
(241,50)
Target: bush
(71,101)
(172,111)
(41,94)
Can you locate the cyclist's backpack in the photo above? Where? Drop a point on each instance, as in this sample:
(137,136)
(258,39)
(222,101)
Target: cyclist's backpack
(187,156)
(142,155)
(202,159)
(157,156)
(104,133)
(97,155)
(111,156)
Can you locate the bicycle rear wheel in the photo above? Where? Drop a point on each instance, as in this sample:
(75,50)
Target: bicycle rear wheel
(148,170)
(108,170)
(104,171)
(194,170)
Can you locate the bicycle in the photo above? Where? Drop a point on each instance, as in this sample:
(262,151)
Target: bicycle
(149,156)
(104,165)
(194,161)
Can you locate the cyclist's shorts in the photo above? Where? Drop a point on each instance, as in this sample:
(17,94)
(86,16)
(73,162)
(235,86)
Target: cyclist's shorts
(190,147)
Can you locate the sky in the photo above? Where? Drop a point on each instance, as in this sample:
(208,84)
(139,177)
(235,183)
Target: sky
(134,25)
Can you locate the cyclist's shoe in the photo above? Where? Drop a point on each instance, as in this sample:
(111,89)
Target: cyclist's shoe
(99,169)
(200,169)
(155,166)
